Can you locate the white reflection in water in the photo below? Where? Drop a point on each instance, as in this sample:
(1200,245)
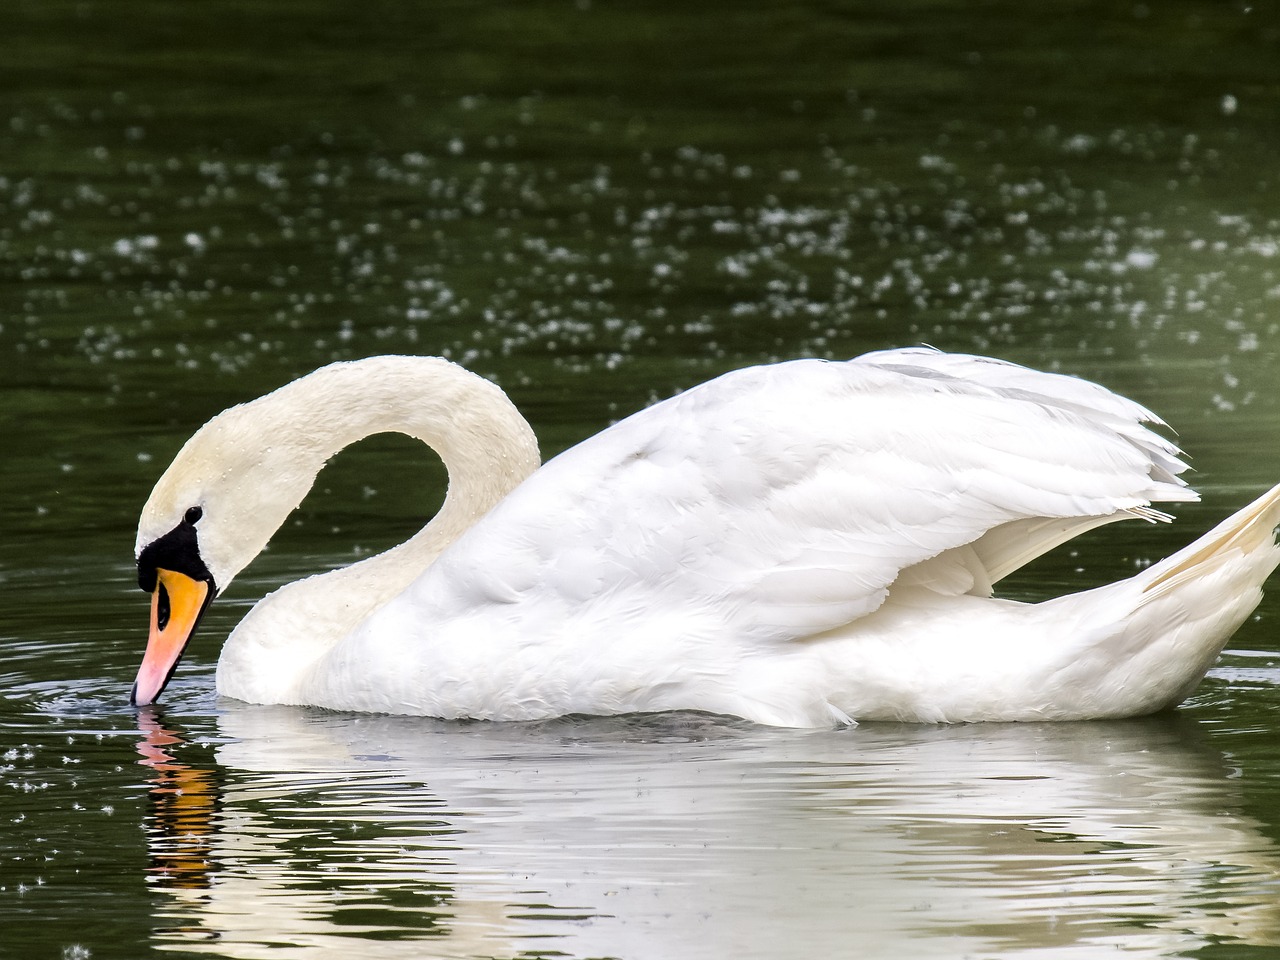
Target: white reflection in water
(688,837)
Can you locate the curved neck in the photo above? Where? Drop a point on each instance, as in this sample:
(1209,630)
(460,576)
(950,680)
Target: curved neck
(486,445)
(250,466)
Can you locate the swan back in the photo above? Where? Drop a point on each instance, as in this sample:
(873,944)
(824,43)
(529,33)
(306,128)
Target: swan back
(796,494)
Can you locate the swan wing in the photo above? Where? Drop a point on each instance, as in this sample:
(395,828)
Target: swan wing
(781,501)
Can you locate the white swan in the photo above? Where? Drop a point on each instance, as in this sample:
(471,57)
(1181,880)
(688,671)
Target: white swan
(796,544)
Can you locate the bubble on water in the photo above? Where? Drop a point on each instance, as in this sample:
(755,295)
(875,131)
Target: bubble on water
(932,161)
(1141,259)
(1079,144)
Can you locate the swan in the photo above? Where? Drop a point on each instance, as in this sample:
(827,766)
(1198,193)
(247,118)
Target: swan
(802,544)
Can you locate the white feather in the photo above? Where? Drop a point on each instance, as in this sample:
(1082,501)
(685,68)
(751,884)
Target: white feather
(789,543)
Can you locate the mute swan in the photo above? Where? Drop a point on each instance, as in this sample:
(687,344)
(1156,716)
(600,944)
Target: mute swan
(799,544)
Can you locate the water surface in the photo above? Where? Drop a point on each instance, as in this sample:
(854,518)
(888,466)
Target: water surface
(597,205)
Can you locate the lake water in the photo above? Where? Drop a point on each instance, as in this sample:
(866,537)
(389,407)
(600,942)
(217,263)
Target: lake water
(598,204)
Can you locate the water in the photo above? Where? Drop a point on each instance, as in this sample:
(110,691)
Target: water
(598,205)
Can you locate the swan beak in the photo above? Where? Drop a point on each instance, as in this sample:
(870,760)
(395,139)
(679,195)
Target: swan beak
(177,603)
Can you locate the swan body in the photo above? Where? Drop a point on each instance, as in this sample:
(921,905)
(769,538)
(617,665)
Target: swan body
(797,544)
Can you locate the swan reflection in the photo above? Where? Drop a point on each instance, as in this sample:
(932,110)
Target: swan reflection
(690,836)
(182,804)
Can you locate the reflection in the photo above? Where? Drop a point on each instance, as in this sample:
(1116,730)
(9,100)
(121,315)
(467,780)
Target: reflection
(691,837)
(182,803)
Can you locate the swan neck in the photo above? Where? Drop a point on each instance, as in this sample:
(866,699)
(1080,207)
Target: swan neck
(486,445)
(249,467)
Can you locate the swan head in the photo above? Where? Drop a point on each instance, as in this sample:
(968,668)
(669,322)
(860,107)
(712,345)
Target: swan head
(229,489)
(181,585)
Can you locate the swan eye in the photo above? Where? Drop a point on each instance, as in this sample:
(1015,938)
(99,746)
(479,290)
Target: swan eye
(192,515)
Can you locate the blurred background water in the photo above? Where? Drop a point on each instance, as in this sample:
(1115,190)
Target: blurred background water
(598,204)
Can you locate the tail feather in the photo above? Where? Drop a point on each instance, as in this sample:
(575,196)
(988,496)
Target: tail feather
(1146,642)
(1243,533)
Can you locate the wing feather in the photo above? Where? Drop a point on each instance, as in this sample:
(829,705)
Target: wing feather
(781,501)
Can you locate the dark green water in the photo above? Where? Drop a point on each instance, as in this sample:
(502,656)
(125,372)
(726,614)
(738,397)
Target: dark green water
(598,204)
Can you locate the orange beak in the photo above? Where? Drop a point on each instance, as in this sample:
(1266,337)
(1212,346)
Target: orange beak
(176,607)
